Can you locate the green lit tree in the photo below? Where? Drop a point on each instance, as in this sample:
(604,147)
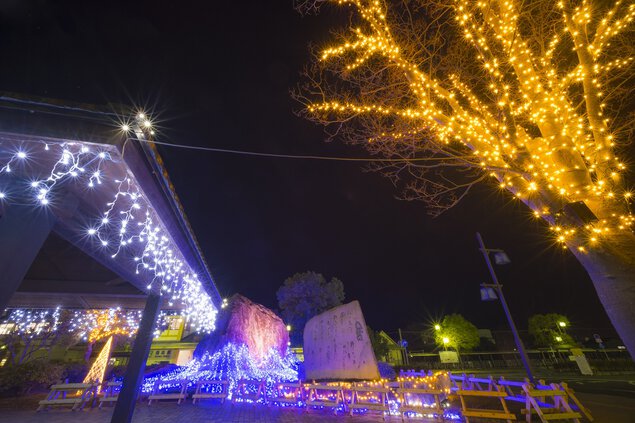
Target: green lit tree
(456,332)
(305,295)
(549,330)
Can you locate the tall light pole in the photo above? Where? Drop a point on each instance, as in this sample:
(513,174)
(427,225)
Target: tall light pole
(499,291)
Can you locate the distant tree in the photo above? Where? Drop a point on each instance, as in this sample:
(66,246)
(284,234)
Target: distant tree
(380,345)
(550,330)
(95,325)
(459,333)
(305,295)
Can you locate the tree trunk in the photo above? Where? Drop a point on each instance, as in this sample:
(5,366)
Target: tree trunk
(89,352)
(611,266)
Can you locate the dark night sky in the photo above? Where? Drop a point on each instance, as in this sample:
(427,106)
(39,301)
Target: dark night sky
(218,74)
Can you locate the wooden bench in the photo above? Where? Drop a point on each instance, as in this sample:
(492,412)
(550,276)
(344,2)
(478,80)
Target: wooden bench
(158,395)
(414,374)
(287,393)
(549,402)
(498,393)
(78,395)
(412,396)
(317,391)
(242,391)
(220,390)
(369,398)
(110,393)
(469,383)
(514,389)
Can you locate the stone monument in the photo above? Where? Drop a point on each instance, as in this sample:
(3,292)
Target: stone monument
(337,346)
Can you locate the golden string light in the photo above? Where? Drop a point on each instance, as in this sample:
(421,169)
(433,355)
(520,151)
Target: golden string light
(571,160)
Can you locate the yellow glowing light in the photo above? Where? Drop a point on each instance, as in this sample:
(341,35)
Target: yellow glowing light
(98,369)
(545,171)
(107,323)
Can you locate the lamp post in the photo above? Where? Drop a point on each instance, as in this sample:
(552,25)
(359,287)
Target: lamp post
(499,291)
(446,341)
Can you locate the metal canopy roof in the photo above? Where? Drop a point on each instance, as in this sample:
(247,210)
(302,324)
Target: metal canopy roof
(74,262)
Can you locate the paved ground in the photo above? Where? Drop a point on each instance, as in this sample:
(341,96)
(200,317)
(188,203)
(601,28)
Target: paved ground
(187,413)
(611,399)
(605,409)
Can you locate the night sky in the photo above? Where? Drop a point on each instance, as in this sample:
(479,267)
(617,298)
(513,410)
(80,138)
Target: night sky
(218,74)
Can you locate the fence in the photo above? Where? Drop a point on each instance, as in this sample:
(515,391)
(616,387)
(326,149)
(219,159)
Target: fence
(601,360)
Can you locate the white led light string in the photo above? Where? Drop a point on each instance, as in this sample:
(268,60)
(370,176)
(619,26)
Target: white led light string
(128,223)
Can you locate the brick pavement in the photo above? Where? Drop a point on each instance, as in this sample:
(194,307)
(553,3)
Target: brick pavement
(208,412)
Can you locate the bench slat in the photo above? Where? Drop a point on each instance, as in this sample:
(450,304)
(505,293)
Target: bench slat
(561,416)
(495,394)
(492,414)
(61,401)
(71,386)
(419,391)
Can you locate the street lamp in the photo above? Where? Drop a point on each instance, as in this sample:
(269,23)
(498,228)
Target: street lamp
(501,258)
(562,324)
(558,338)
(437,327)
(446,341)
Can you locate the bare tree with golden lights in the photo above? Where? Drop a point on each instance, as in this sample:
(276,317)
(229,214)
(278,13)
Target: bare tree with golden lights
(95,325)
(530,96)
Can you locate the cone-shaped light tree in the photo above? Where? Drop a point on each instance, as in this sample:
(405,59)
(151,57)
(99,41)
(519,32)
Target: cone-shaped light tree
(530,96)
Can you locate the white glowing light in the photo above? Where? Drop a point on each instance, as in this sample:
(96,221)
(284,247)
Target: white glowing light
(2,195)
(125,127)
(147,123)
(128,226)
(141,116)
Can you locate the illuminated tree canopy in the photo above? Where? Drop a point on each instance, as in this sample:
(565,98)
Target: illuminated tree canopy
(530,96)
(457,332)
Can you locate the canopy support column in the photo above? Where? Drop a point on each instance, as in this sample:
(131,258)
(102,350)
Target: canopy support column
(133,378)
(23,230)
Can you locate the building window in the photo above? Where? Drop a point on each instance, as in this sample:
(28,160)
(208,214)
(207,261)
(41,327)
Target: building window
(175,323)
(6,328)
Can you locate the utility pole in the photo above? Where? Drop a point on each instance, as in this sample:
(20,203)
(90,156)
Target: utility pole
(499,290)
(404,349)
